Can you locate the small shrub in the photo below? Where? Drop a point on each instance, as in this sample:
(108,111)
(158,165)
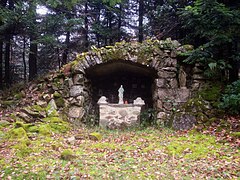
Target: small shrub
(148,117)
(231,98)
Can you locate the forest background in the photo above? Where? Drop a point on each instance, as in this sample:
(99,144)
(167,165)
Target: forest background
(40,35)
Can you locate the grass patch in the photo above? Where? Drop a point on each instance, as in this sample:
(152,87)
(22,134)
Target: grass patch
(131,154)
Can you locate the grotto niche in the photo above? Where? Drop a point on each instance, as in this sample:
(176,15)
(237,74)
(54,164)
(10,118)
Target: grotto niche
(137,81)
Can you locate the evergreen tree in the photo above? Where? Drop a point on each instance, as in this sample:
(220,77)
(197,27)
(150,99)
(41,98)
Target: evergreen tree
(214,29)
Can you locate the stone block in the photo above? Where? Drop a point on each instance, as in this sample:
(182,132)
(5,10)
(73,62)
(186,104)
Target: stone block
(170,62)
(166,74)
(173,83)
(70,82)
(160,83)
(183,121)
(170,69)
(76,112)
(161,115)
(76,90)
(159,104)
(166,93)
(198,77)
(80,100)
(78,79)
(78,68)
(167,106)
(182,95)
(119,116)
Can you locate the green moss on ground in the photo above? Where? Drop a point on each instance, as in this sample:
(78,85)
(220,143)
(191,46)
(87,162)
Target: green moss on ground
(136,153)
(17,133)
(193,146)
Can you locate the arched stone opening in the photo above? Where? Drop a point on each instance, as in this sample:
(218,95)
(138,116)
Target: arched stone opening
(137,80)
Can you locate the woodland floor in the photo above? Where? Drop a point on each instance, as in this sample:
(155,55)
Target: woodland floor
(147,153)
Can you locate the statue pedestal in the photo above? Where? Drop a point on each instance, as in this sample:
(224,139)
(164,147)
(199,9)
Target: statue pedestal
(120,116)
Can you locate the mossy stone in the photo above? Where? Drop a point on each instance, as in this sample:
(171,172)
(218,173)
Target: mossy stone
(37,108)
(53,120)
(18,133)
(25,126)
(67,155)
(56,94)
(60,102)
(19,95)
(45,129)
(4,123)
(8,103)
(95,136)
(33,129)
(62,128)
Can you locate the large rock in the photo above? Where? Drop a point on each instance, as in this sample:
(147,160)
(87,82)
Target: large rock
(76,112)
(52,109)
(183,121)
(76,90)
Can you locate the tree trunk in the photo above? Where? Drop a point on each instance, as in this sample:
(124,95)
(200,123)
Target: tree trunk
(66,50)
(1,63)
(8,37)
(32,59)
(33,47)
(24,60)
(2,5)
(7,60)
(140,21)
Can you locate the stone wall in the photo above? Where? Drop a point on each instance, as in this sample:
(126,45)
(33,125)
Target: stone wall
(171,88)
(119,116)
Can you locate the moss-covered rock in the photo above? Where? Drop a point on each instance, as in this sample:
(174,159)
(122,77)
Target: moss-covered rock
(8,103)
(67,155)
(53,120)
(38,108)
(57,124)
(19,95)
(4,123)
(56,94)
(18,133)
(25,126)
(45,129)
(60,127)
(95,136)
(60,102)
(33,129)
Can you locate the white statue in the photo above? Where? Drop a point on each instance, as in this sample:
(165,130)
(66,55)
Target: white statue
(120,94)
